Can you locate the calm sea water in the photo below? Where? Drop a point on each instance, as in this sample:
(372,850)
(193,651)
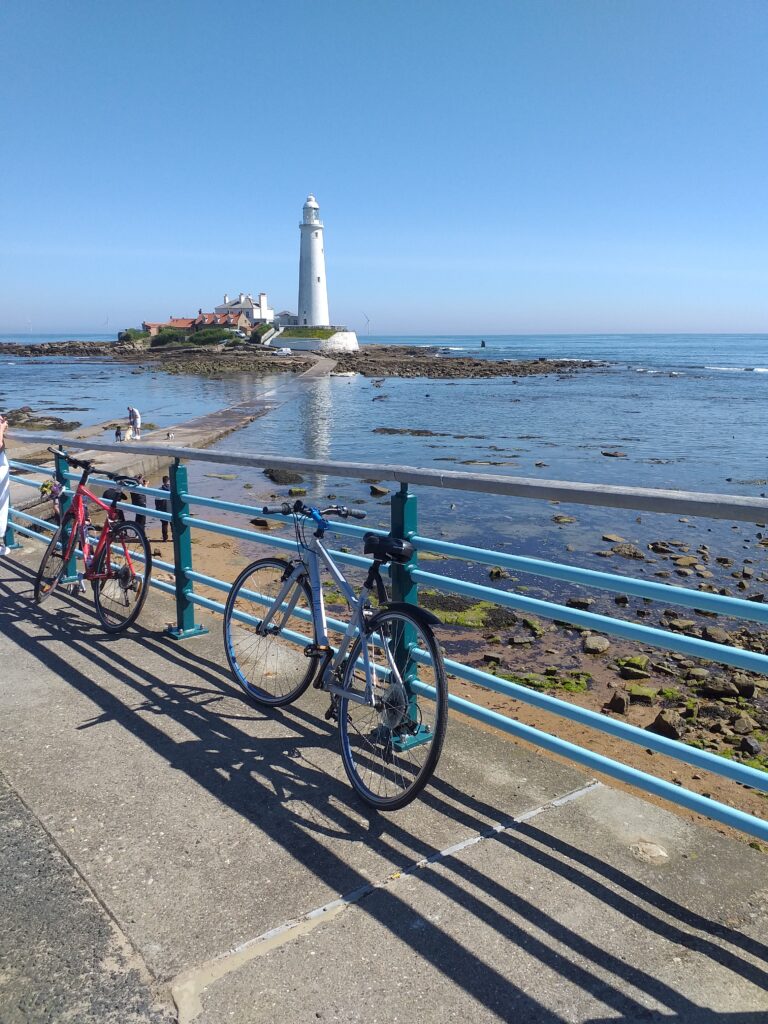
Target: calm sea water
(687,411)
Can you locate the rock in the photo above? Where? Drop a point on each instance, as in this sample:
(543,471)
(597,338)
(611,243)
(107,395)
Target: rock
(614,455)
(378,491)
(595,644)
(535,626)
(717,635)
(496,573)
(719,688)
(619,702)
(749,745)
(614,538)
(699,674)
(621,599)
(628,551)
(683,561)
(582,603)
(663,669)
(742,725)
(630,672)
(660,547)
(743,684)
(724,561)
(668,723)
(562,520)
(297,492)
(283,477)
(264,524)
(492,659)
(642,695)
(680,625)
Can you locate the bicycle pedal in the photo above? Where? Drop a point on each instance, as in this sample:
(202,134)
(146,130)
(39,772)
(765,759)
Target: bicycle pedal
(332,712)
(317,650)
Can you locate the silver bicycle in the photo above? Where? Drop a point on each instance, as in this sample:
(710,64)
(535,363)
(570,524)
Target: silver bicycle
(385,675)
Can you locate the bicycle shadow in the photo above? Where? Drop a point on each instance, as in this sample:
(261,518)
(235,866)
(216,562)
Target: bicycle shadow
(272,785)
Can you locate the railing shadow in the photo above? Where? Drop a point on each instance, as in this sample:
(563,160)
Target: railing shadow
(265,780)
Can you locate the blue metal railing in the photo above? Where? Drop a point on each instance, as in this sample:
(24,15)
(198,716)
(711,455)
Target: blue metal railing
(404,586)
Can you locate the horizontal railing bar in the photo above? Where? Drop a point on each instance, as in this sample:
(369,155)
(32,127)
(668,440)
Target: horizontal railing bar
(613,727)
(278,542)
(334,525)
(678,642)
(713,506)
(720,603)
(14,512)
(623,773)
(18,528)
(168,588)
(17,464)
(25,483)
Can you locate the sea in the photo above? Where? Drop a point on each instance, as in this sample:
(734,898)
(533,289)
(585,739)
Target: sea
(685,411)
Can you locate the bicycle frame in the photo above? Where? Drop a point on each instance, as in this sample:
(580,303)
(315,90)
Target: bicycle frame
(310,566)
(90,555)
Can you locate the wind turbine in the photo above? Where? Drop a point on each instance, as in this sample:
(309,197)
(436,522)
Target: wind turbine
(367,324)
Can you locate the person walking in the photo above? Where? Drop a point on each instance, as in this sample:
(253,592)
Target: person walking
(137,424)
(5,486)
(140,501)
(164,505)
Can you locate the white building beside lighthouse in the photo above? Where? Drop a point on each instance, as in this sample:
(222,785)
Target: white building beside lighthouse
(313,288)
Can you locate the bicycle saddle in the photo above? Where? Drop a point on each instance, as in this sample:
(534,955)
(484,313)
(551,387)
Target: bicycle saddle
(388,549)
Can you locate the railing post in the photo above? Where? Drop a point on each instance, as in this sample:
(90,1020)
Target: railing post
(404,523)
(185,627)
(65,500)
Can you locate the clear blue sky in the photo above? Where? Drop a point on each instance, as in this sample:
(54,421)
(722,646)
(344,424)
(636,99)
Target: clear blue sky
(486,167)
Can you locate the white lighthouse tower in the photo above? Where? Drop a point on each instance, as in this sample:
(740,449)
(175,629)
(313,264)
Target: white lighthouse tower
(313,290)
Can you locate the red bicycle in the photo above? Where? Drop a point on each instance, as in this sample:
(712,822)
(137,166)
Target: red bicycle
(118,566)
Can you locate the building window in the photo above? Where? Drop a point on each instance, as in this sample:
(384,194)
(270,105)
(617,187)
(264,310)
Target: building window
(316,233)
(318,280)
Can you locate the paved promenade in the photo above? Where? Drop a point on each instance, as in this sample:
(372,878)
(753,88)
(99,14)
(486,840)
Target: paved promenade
(168,852)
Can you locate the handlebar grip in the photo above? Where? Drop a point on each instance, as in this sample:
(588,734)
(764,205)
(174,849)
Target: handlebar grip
(57,451)
(277,510)
(354,513)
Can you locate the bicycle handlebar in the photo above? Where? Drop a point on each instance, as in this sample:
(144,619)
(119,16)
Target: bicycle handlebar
(120,478)
(300,509)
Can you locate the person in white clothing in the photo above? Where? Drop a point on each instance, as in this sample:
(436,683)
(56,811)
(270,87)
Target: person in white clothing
(5,486)
(137,424)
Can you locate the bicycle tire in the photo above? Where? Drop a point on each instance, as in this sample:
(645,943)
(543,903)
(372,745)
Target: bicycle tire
(54,562)
(116,608)
(265,665)
(390,752)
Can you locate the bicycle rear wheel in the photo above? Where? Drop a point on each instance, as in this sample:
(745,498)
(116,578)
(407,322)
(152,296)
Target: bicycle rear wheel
(55,559)
(390,749)
(125,568)
(270,666)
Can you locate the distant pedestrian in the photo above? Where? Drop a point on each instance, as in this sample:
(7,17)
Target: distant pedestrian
(118,433)
(5,486)
(134,423)
(164,505)
(140,501)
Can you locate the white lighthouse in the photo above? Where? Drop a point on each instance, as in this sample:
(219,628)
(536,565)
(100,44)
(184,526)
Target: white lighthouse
(313,290)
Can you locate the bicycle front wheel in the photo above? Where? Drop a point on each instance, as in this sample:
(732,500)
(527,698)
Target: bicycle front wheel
(390,748)
(122,572)
(55,559)
(270,664)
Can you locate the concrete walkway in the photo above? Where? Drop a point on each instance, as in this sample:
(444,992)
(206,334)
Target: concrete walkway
(171,852)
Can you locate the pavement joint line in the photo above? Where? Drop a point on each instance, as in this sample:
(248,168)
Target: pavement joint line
(188,986)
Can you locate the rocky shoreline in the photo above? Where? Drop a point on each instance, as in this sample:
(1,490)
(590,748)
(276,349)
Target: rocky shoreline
(371,361)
